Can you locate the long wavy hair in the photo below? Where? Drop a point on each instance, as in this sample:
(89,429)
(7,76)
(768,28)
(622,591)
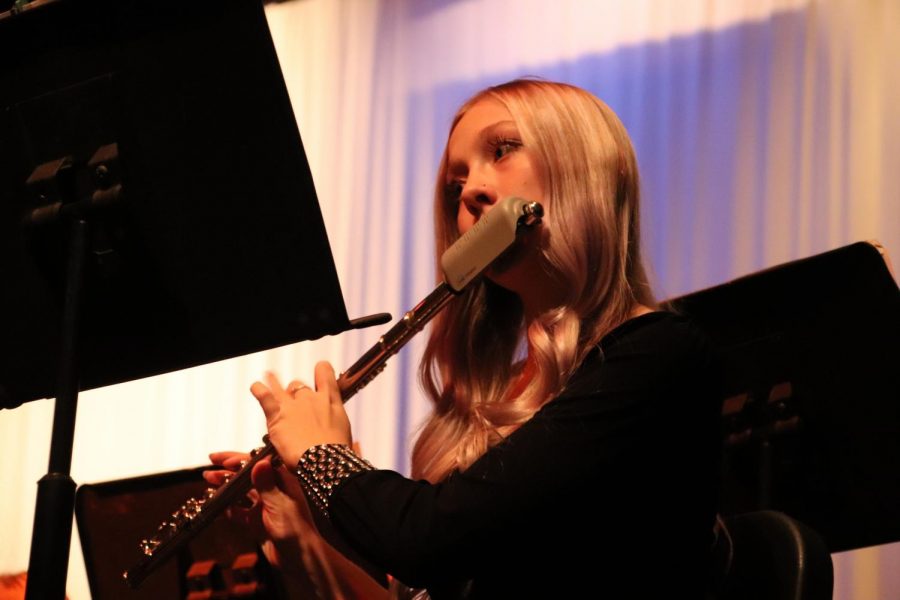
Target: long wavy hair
(473,368)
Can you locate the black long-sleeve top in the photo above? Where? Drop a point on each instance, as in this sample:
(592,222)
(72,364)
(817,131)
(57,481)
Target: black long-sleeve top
(609,490)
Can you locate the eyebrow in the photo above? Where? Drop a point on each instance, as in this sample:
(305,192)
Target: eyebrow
(486,134)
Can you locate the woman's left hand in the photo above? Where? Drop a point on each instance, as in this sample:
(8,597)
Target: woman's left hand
(302,417)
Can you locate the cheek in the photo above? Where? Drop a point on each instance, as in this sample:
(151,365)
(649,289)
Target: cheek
(524,180)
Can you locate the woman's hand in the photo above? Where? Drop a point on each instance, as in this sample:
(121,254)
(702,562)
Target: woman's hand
(286,519)
(275,509)
(302,417)
(280,520)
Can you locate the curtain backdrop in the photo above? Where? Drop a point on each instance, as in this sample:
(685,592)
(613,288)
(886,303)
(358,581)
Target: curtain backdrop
(766,132)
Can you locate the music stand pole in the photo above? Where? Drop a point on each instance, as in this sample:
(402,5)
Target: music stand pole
(52,532)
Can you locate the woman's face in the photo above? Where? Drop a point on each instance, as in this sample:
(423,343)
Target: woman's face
(486,162)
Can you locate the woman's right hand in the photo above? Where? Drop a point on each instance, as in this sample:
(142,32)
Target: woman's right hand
(275,513)
(280,519)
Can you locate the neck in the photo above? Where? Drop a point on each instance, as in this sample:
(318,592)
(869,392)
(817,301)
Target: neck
(538,299)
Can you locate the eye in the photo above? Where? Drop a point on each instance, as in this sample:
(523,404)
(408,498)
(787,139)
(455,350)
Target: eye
(500,147)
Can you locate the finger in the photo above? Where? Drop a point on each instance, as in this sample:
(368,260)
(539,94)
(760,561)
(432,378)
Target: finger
(325,380)
(263,477)
(266,398)
(235,463)
(248,501)
(217,458)
(216,478)
(295,386)
(274,384)
(288,483)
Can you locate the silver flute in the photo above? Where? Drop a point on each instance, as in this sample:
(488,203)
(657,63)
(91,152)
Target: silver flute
(461,263)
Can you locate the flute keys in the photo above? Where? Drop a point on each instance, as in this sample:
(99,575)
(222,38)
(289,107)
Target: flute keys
(149,546)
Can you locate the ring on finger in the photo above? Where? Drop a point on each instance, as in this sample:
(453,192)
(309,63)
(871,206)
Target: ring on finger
(296,387)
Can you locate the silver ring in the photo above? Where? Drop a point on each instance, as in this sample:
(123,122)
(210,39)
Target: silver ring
(296,388)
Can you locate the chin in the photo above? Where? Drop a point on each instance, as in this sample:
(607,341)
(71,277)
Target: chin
(514,268)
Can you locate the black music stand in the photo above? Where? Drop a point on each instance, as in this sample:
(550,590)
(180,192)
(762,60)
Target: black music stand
(157,212)
(812,411)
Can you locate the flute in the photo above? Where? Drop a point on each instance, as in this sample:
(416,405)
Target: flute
(491,235)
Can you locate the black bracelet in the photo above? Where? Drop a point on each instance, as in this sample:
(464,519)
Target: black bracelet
(322,468)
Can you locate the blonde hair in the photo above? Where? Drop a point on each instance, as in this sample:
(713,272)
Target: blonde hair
(470,365)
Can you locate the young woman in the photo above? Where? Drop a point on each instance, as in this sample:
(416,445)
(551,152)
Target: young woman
(573,445)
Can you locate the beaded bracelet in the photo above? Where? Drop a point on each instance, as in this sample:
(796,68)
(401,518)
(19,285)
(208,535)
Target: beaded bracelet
(322,468)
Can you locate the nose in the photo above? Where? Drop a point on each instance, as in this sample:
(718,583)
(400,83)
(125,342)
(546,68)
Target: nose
(478,196)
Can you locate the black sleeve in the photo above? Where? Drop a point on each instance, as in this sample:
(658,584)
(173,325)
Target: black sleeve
(620,425)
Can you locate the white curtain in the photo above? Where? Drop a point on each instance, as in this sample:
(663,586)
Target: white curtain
(766,131)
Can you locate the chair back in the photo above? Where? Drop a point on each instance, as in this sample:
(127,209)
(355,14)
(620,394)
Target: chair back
(767,555)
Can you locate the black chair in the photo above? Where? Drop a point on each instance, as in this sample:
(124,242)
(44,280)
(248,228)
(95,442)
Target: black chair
(767,555)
